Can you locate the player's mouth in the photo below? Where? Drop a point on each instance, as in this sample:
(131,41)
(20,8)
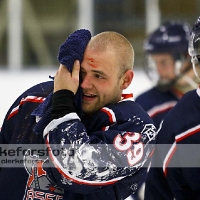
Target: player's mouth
(89,97)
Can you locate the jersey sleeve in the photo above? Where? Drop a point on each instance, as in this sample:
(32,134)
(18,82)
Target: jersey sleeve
(84,161)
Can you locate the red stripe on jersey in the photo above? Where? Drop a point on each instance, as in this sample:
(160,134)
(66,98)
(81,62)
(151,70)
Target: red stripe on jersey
(110,114)
(187,133)
(12,114)
(168,158)
(126,96)
(161,108)
(178,138)
(33,99)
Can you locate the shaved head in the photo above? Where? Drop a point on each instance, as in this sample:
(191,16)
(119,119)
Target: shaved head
(116,43)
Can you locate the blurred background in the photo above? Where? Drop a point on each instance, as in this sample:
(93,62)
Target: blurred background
(31,32)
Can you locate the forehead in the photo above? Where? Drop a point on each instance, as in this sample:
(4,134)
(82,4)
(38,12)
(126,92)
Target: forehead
(162,57)
(99,59)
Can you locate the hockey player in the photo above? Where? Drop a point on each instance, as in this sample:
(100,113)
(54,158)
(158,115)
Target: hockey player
(99,150)
(175,170)
(168,66)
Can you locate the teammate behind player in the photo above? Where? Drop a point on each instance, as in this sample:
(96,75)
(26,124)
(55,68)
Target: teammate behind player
(168,66)
(175,169)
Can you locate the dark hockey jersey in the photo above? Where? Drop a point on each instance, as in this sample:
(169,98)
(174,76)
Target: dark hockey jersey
(175,170)
(157,103)
(103,156)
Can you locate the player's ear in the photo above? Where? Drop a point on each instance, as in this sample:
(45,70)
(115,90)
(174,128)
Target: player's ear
(127,79)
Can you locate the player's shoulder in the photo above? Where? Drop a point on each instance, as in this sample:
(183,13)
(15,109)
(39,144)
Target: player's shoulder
(186,109)
(40,89)
(182,122)
(154,97)
(36,92)
(155,94)
(129,109)
(188,102)
(190,95)
(147,93)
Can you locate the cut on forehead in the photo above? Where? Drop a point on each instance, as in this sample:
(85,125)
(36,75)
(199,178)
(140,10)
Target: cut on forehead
(117,43)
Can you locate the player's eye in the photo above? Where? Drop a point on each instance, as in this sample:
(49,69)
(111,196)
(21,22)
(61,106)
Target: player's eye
(83,74)
(98,76)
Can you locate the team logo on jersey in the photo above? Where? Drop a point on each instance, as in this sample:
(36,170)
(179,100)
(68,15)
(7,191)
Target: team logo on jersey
(39,186)
(149,133)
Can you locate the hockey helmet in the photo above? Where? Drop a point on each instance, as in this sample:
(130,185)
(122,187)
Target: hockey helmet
(194,48)
(172,38)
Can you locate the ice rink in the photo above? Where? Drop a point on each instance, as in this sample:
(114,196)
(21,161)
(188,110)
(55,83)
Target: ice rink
(13,83)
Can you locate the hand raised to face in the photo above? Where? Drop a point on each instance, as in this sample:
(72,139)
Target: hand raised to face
(66,80)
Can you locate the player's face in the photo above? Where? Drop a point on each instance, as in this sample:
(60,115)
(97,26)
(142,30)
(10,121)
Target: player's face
(196,67)
(165,66)
(101,82)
